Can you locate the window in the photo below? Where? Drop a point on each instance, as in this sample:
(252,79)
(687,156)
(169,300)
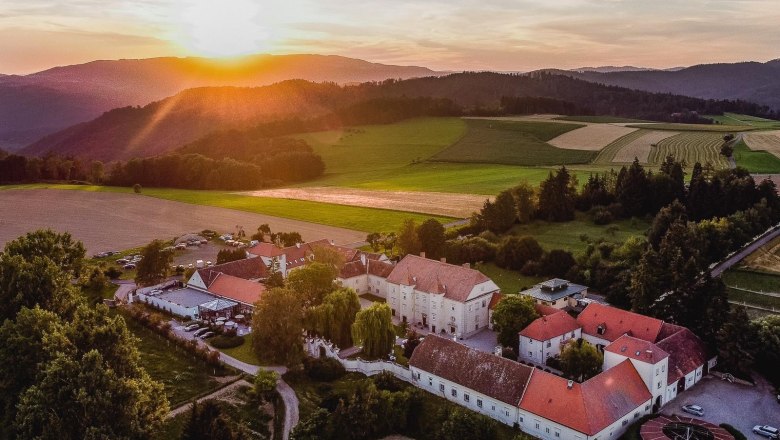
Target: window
(530,340)
(659,385)
(647,407)
(636,415)
(547,429)
(663,367)
(493,407)
(454,392)
(549,344)
(483,303)
(557,433)
(553,303)
(441,387)
(453,308)
(418,375)
(530,354)
(537,425)
(521,419)
(470,307)
(657,371)
(625,422)
(466,398)
(430,381)
(572,334)
(479,403)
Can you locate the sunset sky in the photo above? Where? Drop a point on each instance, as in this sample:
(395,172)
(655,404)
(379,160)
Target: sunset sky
(516,35)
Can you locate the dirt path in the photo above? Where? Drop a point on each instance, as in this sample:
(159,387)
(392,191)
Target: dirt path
(215,395)
(111,221)
(446,204)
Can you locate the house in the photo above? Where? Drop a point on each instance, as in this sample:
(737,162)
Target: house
(688,360)
(602,324)
(181,302)
(545,336)
(247,269)
(557,293)
(650,362)
(238,282)
(485,383)
(243,292)
(602,407)
(366,275)
(440,297)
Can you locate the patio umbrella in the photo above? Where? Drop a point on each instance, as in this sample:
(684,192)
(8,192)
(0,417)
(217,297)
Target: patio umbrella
(218,323)
(230,324)
(239,316)
(221,319)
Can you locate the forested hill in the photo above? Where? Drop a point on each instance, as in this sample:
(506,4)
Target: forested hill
(41,103)
(165,125)
(750,81)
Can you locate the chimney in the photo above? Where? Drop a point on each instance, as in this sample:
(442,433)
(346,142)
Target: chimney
(332,243)
(363,258)
(298,245)
(443,259)
(570,384)
(467,265)
(422,254)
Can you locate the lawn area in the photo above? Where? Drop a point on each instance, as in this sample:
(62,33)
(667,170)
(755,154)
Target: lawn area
(752,121)
(508,280)
(243,352)
(695,127)
(350,217)
(566,235)
(761,162)
(599,119)
(182,376)
(513,143)
(382,147)
(737,279)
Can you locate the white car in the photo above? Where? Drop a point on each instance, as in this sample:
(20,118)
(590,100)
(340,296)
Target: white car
(206,335)
(696,410)
(767,431)
(200,332)
(191,327)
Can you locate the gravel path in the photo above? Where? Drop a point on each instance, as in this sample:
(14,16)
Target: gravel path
(215,395)
(113,221)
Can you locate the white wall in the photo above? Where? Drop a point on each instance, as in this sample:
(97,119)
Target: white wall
(549,430)
(176,309)
(653,375)
(536,351)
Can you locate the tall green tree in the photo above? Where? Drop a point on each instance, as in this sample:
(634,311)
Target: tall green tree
(499,215)
(526,201)
(31,281)
(514,252)
(767,356)
(408,241)
(431,236)
(374,239)
(312,282)
(61,249)
(155,264)
(333,318)
(737,343)
(581,360)
(463,424)
(373,329)
(512,314)
(278,326)
(228,255)
(632,186)
(557,195)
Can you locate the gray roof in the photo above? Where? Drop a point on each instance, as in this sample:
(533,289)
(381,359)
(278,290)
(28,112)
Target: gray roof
(218,304)
(186,297)
(554,289)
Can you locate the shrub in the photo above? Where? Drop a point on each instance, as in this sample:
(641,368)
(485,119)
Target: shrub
(514,252)
(733,431)
(137,188)
(387,381)
(554,362)
(602,216)
(226,341)
(324,369)
(113,272)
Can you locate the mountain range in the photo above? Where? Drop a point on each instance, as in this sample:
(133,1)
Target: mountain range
(38,104)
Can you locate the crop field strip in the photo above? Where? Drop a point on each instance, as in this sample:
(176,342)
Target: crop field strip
(694,127)
(768,141)
(593,137)
(642,147)
(513,143)
(607,154)
(691,147)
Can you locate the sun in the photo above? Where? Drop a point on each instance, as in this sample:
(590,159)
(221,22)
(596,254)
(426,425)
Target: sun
(224,28)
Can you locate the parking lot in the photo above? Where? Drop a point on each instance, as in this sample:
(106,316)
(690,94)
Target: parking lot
(741,406)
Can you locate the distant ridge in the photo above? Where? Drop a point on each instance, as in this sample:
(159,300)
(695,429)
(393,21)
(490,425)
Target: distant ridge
(41,103)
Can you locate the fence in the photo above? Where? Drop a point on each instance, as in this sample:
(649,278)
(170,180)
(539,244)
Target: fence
(317,347)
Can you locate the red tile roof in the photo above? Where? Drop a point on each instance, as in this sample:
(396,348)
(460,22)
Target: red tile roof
(548,327)
(265,250)
(638,349)
(494,376)
(546,310)
(237,289)
(434,276)
(618,322)
(495,299)
(686,353)
(588,407)
(248,269)
(372,267)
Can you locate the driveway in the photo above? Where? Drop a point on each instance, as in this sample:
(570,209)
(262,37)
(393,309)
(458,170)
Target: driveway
(741,406)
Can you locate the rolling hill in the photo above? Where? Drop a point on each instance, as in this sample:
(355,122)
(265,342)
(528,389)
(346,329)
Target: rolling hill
(34,105)
(749,81)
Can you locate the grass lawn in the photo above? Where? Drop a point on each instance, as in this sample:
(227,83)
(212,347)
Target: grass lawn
(752,121)
(751,280)
(183,376)
(508,280)
(694,127)
(567,235)
(598,119)
(350,217)
(761,162)
(243,352)
(513,143)
(382,147)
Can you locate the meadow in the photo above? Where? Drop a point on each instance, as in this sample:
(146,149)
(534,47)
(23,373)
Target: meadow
(513,143)
(600,119)
(695,127)
(752,121)
(755,161)
(738,279)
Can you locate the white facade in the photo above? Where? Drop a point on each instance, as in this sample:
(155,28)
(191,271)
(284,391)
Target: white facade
(167,306)
(653,375)
(477,402)
(436,312)
(538,352)
(548,430)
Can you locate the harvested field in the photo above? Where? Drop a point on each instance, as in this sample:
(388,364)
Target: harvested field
(445,204)
(641,147)
(115,221)
(767,141)
(593,137)
(691,147)
(693,127)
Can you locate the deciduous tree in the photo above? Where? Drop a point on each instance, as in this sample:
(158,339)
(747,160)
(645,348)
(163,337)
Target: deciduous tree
(312,282)
(373,329)
(155,264)
(278,326)
(580,360)
(408,241)
(512,314)
(431,235)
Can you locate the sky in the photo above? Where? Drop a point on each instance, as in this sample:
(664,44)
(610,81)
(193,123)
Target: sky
(504,35)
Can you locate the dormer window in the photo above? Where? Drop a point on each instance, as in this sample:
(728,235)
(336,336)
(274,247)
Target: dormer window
(601,329)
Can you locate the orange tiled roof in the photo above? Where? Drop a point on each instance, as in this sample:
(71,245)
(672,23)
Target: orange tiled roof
(588,407)
(248,269)
(618,322)
(638,349)
(686,353)
(495,299)
(434,276)
(546,310)
(237,289)
(551,326)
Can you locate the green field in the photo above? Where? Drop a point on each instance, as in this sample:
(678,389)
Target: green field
(745,120)
(738,279)
(243,352)
(383,147)
(691,147)
(508,280)
(350,217)
(599,119)
(513,143)
(607,154)
(567,235)
(694,127)
(760,162)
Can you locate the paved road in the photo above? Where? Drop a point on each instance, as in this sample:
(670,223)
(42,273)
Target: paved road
(747,250)
(291,414)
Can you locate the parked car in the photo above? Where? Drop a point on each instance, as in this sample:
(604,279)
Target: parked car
(181,246)
(191,327)
(199,264)
(122,261)
(696,410)
(206,335)
(767,431)
(200,332)
(129,266)
(209,264)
